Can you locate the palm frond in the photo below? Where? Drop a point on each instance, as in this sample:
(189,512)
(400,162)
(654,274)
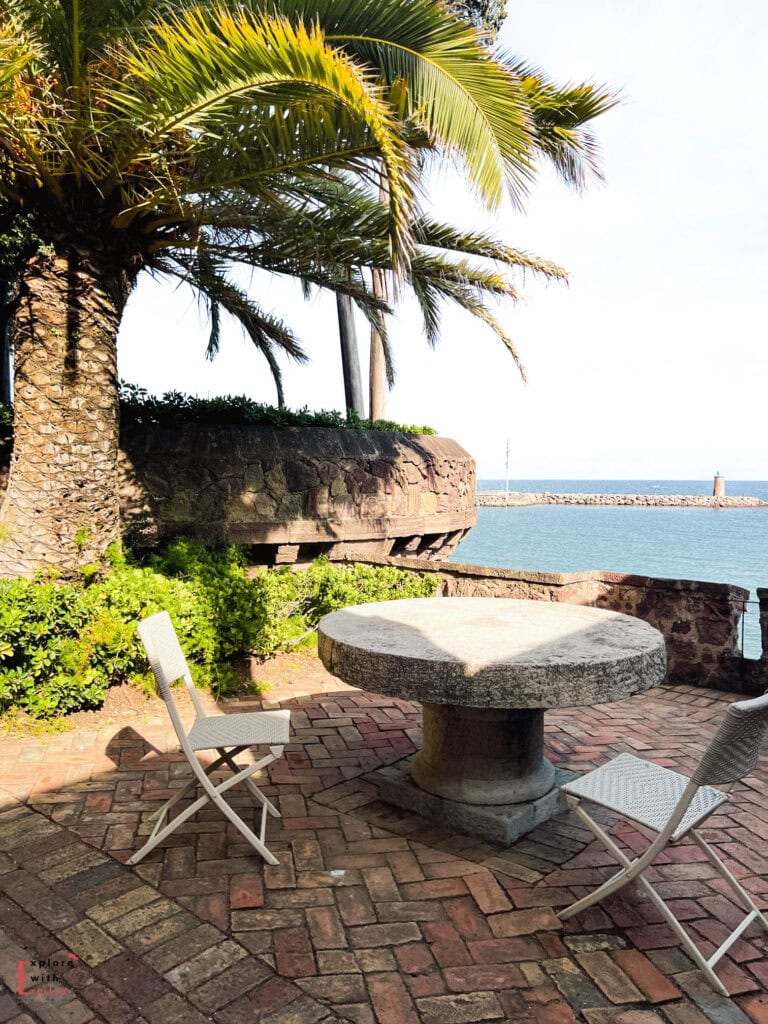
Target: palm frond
(75,33)
(466,297)
(430,304)
(29,147)
(437,234)
(267,332)
(468,104)
(205,79)
(561,114)
(16,55)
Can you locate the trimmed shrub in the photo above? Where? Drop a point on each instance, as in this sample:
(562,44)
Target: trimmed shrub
(63,644)
(138,406)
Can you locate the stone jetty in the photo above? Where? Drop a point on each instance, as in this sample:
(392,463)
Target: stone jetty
(516,499)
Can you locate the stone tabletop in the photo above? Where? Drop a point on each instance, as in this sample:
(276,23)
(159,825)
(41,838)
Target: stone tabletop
(492,652)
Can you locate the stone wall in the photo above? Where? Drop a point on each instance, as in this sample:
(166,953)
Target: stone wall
(700,621)
(295,493)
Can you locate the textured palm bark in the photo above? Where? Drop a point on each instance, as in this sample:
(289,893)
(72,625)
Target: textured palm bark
(377,369)
(61,505)
(377,366)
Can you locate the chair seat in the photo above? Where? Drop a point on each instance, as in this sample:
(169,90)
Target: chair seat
(645,793)
(245,730)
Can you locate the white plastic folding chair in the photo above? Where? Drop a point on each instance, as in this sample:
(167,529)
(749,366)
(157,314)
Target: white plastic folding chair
(228,735)
(673,805)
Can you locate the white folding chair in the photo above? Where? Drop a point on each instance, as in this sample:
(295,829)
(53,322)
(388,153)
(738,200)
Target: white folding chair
(673,805)
(228,735)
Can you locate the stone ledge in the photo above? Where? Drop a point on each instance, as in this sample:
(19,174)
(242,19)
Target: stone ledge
(566,579)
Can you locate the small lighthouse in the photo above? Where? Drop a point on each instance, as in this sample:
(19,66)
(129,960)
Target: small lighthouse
(718,488)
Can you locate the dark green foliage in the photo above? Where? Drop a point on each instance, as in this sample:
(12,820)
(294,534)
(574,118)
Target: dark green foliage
(18,241)
(62,645)
(137,406)
(487,15)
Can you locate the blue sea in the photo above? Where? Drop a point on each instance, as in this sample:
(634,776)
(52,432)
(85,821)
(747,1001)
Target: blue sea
(720,545)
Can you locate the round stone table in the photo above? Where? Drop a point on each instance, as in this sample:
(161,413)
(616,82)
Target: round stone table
(485,669)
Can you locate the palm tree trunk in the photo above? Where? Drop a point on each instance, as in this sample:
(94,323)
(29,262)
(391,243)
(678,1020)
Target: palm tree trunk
(350,356)
(6,319)
(377,368)
(61,506)
(377,378)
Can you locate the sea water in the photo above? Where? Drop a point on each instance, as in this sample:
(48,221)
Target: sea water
(719,545)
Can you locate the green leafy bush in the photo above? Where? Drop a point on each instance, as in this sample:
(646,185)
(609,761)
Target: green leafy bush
(138,406)
(63,644)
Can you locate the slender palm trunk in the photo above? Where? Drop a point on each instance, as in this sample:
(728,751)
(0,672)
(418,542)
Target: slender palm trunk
(350,356)
(61,506)
(6,319)
(377,371)
(377,368)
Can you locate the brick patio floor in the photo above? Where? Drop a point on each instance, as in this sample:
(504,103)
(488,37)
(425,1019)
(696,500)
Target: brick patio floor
(373,916)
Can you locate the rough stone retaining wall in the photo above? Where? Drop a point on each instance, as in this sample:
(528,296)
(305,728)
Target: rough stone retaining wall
(514,499)
(295,493)
(700,621)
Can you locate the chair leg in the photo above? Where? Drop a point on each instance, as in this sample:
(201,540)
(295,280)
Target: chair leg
(614,883)
(255,791)
(163,833)
(193,783)
(256,842)
(632,871)
(214,793)
(685,940)
(739,889)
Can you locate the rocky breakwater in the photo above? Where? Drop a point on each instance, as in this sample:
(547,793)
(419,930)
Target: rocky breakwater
(516,499)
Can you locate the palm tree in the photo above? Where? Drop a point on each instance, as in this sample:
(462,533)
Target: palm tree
(558,117)
(486,16)
(135,136)
(333,236)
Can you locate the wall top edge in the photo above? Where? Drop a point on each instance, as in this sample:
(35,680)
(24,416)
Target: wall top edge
(566,579)
(264,443)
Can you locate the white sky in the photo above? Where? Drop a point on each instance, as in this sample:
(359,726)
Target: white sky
(652,362)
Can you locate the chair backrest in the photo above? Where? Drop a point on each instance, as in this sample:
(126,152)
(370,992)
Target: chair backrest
(735,748)
(166,658)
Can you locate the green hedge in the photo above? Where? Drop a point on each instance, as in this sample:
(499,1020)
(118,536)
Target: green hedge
(138,406)
(62,645)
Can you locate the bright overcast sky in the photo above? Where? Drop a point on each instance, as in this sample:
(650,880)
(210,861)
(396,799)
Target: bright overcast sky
(652,362)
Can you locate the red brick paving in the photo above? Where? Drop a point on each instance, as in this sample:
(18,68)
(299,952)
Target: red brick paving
(373,915)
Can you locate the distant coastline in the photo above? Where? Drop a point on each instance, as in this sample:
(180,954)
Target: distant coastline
(518,499)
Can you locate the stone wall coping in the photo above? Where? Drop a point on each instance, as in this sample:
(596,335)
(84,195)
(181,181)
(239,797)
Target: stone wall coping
(336,442)
(567,579)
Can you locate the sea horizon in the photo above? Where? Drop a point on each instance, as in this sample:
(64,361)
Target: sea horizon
(626,485)
(717,545)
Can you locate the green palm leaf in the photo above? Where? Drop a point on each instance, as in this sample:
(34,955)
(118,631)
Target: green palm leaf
(193,79)
(470,106)
(561,114)
(267,332)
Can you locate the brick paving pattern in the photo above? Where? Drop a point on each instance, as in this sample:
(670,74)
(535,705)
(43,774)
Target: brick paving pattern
(374,916)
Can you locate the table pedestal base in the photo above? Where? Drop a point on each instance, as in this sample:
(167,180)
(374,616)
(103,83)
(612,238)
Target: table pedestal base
(498,823)
(483,755)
